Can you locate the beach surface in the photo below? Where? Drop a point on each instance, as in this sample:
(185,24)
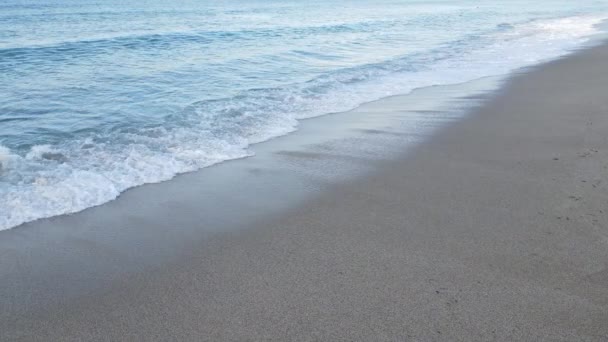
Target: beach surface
(494,229)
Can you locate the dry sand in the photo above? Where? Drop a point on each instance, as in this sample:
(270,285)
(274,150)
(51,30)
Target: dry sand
(496,229)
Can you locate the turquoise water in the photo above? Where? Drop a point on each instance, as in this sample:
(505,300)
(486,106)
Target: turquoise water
(96,98)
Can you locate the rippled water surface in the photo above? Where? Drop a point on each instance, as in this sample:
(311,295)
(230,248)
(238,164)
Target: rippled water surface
(97,97)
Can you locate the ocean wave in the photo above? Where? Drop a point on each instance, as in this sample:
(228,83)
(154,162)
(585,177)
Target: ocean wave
(47,180)
(67,50)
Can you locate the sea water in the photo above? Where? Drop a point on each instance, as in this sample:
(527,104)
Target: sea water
(100,96)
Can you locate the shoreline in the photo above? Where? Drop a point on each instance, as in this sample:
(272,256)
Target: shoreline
(489,230)
(249,151)
(468,90)
(284,172)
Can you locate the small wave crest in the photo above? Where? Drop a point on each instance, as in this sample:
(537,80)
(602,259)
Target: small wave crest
(505,26)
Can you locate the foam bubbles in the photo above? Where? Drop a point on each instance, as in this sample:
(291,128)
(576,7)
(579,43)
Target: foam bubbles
(5,156)
(45,152)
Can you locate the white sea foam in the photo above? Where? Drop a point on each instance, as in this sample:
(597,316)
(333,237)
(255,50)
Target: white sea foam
(5,156)
(49,180)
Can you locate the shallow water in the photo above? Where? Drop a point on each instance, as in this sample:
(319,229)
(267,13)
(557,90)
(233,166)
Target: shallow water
(97,98)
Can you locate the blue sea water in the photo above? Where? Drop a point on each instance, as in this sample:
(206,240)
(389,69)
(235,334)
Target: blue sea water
(100,96)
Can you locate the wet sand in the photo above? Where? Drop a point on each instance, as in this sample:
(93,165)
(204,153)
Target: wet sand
(495,229)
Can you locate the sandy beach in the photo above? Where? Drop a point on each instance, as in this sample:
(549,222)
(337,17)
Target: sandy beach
(493,229)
